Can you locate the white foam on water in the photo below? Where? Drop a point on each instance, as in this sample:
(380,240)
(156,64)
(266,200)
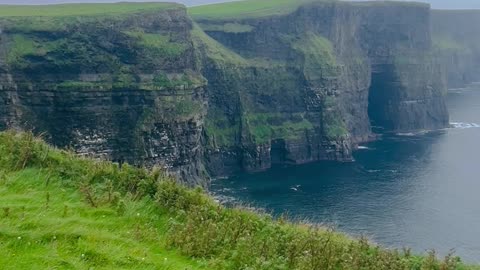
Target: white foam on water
(223,199)
(461,125)
(413,134)
(363,148)
(409,134)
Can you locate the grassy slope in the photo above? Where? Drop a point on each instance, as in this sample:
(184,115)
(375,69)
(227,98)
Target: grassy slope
(62,212)
(80,9)
(261,8)
(248,9)
(45,34)
(49,226)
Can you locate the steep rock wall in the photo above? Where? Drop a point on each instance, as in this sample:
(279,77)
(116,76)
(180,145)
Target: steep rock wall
(124,88)
(153,88)
(338,65)
(456,37)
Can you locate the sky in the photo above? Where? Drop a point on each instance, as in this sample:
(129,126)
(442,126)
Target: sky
(439,4)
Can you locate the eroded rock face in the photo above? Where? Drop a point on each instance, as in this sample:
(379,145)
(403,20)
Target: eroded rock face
(336,66)
(153,89)
(125,89)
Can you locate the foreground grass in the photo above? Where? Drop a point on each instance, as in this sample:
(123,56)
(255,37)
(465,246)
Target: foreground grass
(64,10)
(62,212)
(49,226)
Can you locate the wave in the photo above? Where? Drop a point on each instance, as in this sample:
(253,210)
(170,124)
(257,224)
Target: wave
(363,148)
(412,134)
(296,188)
(461,125)
(224,199)
(376,171)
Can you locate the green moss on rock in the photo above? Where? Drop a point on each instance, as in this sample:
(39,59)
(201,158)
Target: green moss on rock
(265,127)
(228,27)
(159,45)
(319,59)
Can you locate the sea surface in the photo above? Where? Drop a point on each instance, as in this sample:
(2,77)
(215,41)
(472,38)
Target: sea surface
(406,190)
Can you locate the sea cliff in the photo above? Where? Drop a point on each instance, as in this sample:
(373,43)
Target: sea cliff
(209,92)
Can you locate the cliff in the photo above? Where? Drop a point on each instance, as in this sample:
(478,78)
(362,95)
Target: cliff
(122,86)
(456,37)
(309,79)
(248,85)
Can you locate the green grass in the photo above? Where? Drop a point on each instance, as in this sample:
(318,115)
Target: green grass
(319,60)
(446,43)
(263,8)
(50,226)
(214,50)
(222,56)
(21,47)
(219,130)
(265,127)
(248,9)
(228,27)
(47,222)
(333,125)
(159,45)
(78,51)
(64,10)
(58,211)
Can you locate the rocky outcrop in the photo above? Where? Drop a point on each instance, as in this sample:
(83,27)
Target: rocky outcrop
(456,38)
(227,95)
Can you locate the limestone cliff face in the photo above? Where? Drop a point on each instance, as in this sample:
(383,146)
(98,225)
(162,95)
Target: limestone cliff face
(122,88)
(328,70)
(224,96)
(456,37)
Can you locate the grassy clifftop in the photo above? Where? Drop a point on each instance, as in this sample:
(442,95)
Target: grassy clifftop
(63,212)
(248,9)
(66,10)
(123,45)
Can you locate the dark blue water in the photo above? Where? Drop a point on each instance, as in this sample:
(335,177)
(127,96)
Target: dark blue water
(418,191)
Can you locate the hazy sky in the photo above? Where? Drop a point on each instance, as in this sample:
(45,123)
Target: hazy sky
(449,4)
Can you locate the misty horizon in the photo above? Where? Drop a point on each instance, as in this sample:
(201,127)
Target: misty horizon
(436,4)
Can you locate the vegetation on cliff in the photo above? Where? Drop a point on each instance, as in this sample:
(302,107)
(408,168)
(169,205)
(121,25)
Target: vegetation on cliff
(65,212)
(248,9)
(120,44)
(91,9)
